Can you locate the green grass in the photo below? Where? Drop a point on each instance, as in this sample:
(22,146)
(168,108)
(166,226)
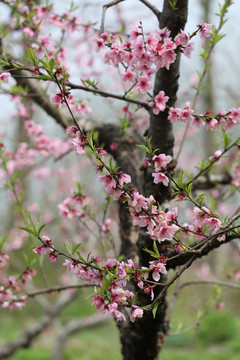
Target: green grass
(217,338)
(196,354)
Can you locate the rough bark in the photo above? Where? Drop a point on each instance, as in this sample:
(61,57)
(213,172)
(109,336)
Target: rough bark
(143,339)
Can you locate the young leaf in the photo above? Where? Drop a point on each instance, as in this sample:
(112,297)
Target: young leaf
(27,230)
(154,310)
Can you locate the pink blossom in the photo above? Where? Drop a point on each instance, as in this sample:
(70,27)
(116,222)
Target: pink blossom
(72,130)
(33,129)
(205,30)
(4,77)
(118,315)
(56,100)
(69,265)
(122,273)
(129,75)
(106,226)
(108,181)
(237,275)
(28,32)
(136,313)
(78,146)
(157,269)
(99,44)
(53,256)
(186,114)
(138,49)
(144,84)
(113,146)
(212,124)
(111,263)
(160,103)
(216,156)
(160,177)
(181,39)
(42,173)
(220,306)
(138,202)
(161,161)
(134,33)
(98,301)
(69,208)
(174,114)
(187,51)
(123,178)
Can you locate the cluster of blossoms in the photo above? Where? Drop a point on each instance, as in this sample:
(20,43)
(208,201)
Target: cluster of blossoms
(74,206)
(145,213)
(223,119)
(160,163)
(9,300)
(26,155)
(46,247)
(80,140)
(143,54)
(114,297)
(204,217)
(40,16)
(77,107)
(113,184)
(8,292)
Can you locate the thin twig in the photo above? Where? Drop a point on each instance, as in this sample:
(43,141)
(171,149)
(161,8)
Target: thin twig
(201,79)
(105,7)
(152,8)
(209,282)
(235,143)
(110,95)
(52,289)
(29,335)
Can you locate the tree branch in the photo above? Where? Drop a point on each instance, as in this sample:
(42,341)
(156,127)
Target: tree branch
(152,8)
(214,243)
(57,289)
(28,83)
(211,181)
(109,95)
(75,326)
(105,7)
(209,282)
(29,335)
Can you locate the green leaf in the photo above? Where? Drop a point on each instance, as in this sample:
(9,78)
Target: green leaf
(75,248)
(146,307)
(3,241)
(33,226)
(155,248)
(51,64)
(26,260)
(173,5)
(90,139)
(111,164)
(68,247)
(218,289)
(152,253)
(80,256)
(44,77)
(154,310)
(40,228)
(27,230)
(227,140)
(143,147)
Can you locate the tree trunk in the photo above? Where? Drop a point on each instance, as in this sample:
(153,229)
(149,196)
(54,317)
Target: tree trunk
(143,339)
